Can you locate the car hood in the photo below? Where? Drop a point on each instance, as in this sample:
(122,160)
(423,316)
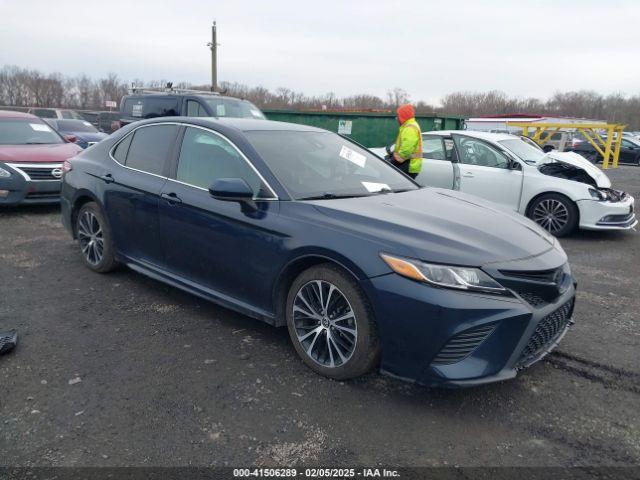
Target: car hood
(57,152)
(89,136)
(441,226)
(575,160)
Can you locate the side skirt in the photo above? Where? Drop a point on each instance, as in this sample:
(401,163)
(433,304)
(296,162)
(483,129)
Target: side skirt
(199,290)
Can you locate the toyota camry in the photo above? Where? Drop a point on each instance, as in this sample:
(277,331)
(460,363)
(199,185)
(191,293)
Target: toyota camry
(300,227)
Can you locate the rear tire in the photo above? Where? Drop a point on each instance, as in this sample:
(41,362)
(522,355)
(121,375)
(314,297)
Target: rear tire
(331,324)
(555,213)
(94,238)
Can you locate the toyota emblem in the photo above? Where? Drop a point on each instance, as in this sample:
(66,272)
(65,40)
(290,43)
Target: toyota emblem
(56,173)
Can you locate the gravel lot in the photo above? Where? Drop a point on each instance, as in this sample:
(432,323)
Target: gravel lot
(119,369)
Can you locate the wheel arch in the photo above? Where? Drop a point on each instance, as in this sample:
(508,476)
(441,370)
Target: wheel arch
(295,267)
(81,198)
(551,192)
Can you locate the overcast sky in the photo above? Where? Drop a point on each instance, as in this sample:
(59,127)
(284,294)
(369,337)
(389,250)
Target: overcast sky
(429,48)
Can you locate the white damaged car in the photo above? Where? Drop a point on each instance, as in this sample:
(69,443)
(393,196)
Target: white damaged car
(558,190)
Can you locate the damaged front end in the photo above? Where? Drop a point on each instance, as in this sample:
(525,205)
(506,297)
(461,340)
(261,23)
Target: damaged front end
(571,166)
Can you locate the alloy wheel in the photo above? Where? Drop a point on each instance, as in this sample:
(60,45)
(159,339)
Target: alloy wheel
(551,215)
(325,324)
(91,237)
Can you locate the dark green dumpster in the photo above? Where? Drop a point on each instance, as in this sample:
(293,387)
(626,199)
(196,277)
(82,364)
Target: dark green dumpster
(371,129)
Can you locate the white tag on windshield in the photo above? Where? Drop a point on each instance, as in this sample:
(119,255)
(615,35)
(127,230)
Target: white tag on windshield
(375,187)
(220,110)
(353,156)
(39,127)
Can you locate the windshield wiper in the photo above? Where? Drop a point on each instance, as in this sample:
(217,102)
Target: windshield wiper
(332,196)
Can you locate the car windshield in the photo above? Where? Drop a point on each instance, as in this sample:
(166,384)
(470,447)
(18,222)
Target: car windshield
(232,107)
(523,150)
(27,131)
(324,165)
(74,126)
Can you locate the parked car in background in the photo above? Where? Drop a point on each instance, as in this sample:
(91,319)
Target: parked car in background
(55,113)
(361,264)
(142,106)
(559,141)
(558,190)
(90,116)
(14,109)
(85,134)
(108,122)
(32,155)
(629,151)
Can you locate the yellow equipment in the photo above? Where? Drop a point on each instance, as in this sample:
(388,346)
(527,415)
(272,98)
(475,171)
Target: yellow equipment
(607,147)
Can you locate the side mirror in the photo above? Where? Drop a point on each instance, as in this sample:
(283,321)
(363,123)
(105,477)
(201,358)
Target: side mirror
(71,138)
(389,149)
(231,190)
(513,165)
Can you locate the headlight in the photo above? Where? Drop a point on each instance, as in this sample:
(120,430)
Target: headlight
(597,194)
(461,278)
(4,173)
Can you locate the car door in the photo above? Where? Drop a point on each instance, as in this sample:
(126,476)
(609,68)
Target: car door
(485,171)
(222,246)
(437,168)
(132,190)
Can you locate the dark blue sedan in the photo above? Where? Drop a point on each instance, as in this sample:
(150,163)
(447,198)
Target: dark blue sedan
(300,227)
(85,134)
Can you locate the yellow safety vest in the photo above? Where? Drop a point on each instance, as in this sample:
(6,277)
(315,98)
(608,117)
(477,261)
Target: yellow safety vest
(409,144)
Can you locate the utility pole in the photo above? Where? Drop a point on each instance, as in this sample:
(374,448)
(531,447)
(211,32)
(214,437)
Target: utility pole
(213,45)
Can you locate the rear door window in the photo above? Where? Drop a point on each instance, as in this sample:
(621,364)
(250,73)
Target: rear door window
(149,148)
(433,148)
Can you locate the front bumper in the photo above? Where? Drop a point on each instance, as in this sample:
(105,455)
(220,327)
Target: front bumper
(597,215)
(20,188)
(423,328)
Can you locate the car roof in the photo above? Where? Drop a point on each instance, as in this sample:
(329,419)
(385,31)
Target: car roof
(489,136)
(13,114)
(182,94)
(239,124)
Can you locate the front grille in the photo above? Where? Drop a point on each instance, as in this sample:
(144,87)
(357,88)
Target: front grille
(462,345)
(39,173)
(537,287)
(535,275)
(546,333)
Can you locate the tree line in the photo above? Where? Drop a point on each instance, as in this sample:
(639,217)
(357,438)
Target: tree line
(25,87)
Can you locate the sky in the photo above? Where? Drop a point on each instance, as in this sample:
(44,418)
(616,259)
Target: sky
(428,48)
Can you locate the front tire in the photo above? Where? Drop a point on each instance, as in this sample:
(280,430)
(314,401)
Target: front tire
(555,213)
(94,239)
(331,323)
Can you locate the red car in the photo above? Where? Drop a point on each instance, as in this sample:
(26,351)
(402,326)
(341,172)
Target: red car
(31,159)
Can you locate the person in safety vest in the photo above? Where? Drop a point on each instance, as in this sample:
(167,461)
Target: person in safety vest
(407,155)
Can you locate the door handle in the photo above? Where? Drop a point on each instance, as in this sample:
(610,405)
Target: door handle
(467,174)
(171,198)
(107,178)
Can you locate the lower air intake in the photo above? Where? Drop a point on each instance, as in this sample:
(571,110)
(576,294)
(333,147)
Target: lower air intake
(546,333)
(462,345)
